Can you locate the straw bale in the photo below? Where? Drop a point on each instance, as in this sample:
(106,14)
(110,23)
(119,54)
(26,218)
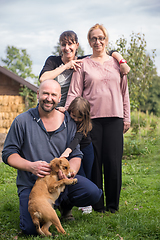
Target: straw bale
(21,108)
(16,114)
(6,115)
(21,100)
(16,100)
(6,123)
(14,108)
(5,100)
(1,115)
(10,107)
(3,130)
(6,109)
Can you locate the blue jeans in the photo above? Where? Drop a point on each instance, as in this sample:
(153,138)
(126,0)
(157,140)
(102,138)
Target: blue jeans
(87,161)
(83,193)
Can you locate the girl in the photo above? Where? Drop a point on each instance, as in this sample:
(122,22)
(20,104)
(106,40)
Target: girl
(79,110)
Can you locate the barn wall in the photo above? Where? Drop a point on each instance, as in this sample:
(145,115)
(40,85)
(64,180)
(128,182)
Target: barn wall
(8,86)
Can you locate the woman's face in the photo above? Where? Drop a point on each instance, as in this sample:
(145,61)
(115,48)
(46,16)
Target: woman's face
(97,40)
(69,49)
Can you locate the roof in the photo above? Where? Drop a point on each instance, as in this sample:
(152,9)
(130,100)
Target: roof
(18,79)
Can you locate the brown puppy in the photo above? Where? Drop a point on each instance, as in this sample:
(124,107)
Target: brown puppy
(44,194)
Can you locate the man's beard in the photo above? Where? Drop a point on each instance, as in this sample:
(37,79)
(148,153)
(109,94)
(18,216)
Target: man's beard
(42,104)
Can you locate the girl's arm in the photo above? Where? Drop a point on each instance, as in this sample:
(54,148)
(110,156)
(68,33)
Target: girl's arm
(76,140)
(66,153)
(124,68)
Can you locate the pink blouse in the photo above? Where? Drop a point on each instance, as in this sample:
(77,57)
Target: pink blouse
(103,87)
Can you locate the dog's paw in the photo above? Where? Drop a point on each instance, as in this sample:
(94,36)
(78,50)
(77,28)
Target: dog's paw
(75,180)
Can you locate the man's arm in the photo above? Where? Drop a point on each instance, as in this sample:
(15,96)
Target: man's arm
(38,168)
(75,164)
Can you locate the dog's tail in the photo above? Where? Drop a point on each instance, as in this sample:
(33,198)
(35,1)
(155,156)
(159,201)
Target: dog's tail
(36,217)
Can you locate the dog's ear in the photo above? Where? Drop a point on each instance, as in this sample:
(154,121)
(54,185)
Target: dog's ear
(55,164)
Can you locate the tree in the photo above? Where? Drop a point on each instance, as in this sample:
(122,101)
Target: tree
(56,51)
(142,67)
(18,61)
(152,101)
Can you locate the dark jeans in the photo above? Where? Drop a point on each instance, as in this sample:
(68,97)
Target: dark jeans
(83,193)
(87,161)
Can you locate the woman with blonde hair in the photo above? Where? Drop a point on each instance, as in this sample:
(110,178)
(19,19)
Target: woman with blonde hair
(100,82)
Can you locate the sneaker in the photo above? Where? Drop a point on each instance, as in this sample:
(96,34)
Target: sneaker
(86,210)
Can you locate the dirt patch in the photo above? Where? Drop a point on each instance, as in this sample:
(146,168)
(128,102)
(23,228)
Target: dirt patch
(2,139)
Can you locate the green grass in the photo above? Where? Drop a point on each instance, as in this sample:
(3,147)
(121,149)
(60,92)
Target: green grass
(139,212)
(138,216)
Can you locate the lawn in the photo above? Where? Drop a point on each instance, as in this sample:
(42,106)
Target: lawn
(139,213)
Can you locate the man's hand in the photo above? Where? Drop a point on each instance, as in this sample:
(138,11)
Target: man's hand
(40,168)
(61,175)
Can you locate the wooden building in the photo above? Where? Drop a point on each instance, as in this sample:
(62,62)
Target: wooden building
(11,103)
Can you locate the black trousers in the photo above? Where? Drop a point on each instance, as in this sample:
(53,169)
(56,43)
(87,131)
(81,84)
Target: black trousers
(107,139)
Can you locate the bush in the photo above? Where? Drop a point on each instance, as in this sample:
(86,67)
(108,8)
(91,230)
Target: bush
(142,134)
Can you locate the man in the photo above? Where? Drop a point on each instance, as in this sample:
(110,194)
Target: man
(34,139)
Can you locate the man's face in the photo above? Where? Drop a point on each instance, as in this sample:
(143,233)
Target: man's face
(49,96)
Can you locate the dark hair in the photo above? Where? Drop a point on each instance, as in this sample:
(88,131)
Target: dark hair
(68,35)
(81,108)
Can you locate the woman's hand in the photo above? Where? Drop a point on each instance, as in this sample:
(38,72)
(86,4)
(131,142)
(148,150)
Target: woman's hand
(73,64)
(124,68)
(61,109)
(126,126)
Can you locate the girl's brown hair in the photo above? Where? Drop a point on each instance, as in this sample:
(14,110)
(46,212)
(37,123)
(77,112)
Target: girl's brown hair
(81,108)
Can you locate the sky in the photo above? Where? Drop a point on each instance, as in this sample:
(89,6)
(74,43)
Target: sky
(35,25)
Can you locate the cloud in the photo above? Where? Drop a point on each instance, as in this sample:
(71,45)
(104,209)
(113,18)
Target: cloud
(36,25)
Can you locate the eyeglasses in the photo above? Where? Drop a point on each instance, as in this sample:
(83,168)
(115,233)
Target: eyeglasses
(94,39)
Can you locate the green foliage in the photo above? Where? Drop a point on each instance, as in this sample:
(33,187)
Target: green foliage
(29,96)
(152,100)
(18,61)
(140,139)
(141,64)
